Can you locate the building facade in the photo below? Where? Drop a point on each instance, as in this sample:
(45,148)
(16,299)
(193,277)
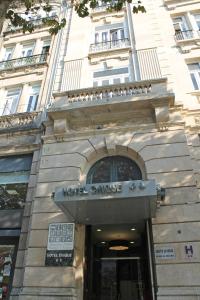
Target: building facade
(99,162)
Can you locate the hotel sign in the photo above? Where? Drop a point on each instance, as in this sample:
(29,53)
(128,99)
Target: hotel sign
(117,202)
(60,245)
(115,189)
(94,189)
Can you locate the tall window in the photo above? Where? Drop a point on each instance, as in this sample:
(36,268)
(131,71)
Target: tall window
(114,168)
(33,97)
(109,35)
(8,53)
(195,75)
(11,101)
(180,23)
(197,19)
(14,176)
(27,50)
(45,50)
(182,30)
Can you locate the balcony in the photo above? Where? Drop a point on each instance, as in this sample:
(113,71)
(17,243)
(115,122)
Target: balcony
(105,8)
(186,35)
(109,46)
(98,105)
(20,121)
(23,62)
(40,22)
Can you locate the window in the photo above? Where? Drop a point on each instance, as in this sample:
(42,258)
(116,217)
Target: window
(111,76)
(46,46)
(180,24)
(8,54)
(109,35)
(33,98)
(45,51)
(27,50)
(14,176)
(114,168)
(182,31)
(195,75)
(7,262)
(197,19)
(11,101)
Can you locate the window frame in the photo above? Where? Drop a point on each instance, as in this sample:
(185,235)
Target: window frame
(14,101)
(8,53)
(27,50)
(104,36)
(195,75)
(34,91)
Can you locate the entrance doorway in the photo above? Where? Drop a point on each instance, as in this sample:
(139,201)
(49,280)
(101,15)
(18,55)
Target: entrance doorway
(120,278)
(117,263)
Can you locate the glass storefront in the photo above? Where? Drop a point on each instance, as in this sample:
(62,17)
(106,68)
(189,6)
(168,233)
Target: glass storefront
(14,177)
(7,259)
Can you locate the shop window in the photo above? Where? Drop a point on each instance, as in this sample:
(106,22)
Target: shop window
(194,70)
(7,261)
(113,169)
(14,176)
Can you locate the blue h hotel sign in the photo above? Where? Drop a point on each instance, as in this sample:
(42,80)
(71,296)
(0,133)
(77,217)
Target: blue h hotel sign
(60,247)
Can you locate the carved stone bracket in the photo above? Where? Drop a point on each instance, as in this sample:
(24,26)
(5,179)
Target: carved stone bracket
(60,126)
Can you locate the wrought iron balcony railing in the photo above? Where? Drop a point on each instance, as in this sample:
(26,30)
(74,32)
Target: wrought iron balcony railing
(104,6)
(108,45)
(184,35)
(23,62)
(36,22)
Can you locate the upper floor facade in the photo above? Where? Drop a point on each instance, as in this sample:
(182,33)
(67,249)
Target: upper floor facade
(98,53)
(25,62)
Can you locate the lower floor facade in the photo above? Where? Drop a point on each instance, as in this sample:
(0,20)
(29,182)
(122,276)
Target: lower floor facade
(108,214)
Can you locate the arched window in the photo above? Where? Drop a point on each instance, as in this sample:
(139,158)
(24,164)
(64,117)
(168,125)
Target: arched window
(112,169)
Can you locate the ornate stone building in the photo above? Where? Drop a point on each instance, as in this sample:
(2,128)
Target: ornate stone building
(99,166)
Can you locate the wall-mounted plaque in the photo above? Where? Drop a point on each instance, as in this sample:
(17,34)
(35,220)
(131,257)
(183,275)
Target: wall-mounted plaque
(60,247)
(165,253)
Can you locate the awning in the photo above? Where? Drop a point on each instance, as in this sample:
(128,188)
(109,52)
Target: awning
(108,203)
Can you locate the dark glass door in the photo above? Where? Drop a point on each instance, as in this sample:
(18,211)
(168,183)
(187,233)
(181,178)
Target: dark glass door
(120,279)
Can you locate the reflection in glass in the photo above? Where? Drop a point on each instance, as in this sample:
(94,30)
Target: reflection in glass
(12,196)
(6,264)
